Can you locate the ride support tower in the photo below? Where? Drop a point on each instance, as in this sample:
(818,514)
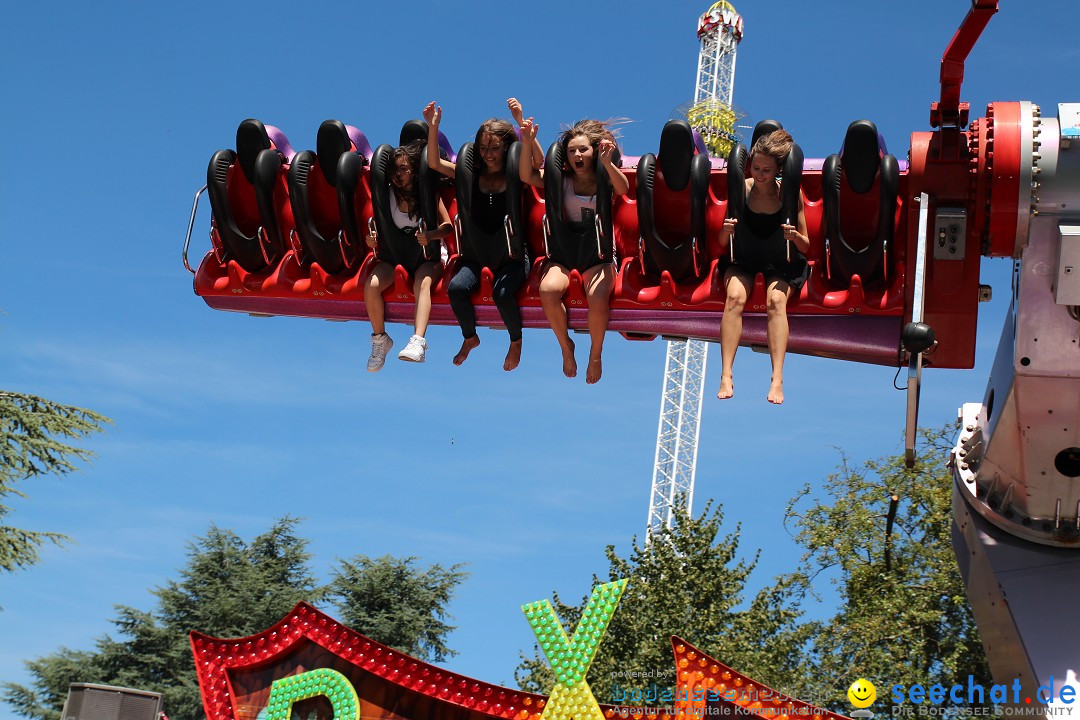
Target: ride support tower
(1008,186)
(720,29)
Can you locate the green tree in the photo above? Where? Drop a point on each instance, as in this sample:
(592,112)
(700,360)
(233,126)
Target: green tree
(34,435)
(231,588)
(52,675)
(903,616)
(228,588)
(390,600)
(690,582)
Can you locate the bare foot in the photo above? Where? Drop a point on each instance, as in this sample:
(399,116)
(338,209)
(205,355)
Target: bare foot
(467,346)
(569,363)
(594,371)
(727,387)
(513,356)
(776,392)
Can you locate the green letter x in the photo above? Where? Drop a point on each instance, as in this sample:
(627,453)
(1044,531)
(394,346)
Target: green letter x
(570,658)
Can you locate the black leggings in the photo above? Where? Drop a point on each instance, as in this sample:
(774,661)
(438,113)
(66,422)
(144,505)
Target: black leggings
(508,279)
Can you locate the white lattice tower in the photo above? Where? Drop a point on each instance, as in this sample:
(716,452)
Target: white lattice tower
(720,29)
(677,435)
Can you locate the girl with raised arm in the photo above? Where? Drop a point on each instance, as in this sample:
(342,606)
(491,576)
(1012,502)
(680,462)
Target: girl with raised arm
(588,149)
(488,245)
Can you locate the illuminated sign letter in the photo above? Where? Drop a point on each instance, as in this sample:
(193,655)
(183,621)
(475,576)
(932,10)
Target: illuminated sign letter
(330,683)
(570,658)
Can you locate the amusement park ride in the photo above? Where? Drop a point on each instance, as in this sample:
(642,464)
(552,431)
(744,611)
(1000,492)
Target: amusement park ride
(895,254)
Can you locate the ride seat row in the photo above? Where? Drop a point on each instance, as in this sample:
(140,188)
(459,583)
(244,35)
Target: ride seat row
(277,213)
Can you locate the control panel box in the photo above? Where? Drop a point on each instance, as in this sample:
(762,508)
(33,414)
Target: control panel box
(950,233)
(1067,282)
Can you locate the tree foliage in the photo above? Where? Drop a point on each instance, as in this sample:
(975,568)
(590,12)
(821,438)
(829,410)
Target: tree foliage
(228,588)
(903,613)
(391,600)
(690,582)
(901,620)
(34,435)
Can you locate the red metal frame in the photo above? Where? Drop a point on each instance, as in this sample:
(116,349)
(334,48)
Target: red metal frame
(949,111)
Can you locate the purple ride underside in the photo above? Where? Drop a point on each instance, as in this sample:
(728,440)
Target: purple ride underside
(858,338)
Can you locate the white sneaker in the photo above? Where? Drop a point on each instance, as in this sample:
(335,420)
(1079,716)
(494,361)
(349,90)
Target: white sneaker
(380,346)
(414,351)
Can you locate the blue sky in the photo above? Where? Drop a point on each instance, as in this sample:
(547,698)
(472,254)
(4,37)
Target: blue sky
(113,112)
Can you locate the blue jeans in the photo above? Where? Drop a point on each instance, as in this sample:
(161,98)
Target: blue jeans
(466,280)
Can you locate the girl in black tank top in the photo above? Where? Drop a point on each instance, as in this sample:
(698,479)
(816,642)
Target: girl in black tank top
(487,248)
(489,208)
(760,239)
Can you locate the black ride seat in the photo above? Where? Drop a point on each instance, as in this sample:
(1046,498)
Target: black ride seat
(412,131)
(241,184)
(562,242)
(325,224)
(856,244)
(485,249)
(354,195)
(672,240)
(790,188)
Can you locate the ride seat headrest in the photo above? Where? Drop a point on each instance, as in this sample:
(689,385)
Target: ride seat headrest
(764,127)
(280,142)
(359,141)
(381,162)
(676,152)
(699,143)
(251,139)
(414,130)
(331,142)
(860,155)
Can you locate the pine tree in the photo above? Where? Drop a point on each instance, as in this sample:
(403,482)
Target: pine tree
(390,600)
(689,581)
(232,588)
(229,588)
(33,441)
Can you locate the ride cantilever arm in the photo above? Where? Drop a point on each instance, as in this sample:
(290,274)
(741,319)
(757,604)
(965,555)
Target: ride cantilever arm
(949,111)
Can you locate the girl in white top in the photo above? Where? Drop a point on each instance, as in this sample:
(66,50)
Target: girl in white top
(405,211)
(587,146)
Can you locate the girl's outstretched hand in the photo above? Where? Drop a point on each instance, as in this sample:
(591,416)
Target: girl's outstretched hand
(607,147)
(528,130)
(433,114)
(516,112)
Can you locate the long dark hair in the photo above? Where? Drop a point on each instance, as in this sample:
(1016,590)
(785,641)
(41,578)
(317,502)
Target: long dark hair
(502,130)
(411,152)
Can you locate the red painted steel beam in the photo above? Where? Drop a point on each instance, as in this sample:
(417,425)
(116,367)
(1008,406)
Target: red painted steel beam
(949,111)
